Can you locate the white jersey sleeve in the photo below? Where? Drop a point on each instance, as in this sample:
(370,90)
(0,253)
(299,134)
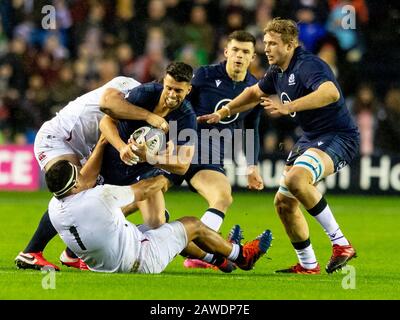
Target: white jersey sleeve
(123,84)
(78,122)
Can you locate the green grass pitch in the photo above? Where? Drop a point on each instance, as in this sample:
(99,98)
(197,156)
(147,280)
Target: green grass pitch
(371,223)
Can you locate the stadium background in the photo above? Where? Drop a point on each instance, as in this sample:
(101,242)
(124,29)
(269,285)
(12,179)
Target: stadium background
(41,70)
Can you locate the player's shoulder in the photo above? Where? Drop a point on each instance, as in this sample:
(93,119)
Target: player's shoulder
(251,79)
(151,87)
(209,71)
(186,108)
(122,83)
(306,58)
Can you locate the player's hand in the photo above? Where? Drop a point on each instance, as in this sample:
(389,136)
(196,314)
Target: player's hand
(275,106)
(209,118)
(127,156)
(254,180)
(139,150)
(157,122)
(169,150)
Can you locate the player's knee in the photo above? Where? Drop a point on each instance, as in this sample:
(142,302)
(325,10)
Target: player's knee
(223,201)
(295,183)
(283,205)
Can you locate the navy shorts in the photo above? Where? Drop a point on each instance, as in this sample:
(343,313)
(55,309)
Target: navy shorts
(341,148)
(193,169)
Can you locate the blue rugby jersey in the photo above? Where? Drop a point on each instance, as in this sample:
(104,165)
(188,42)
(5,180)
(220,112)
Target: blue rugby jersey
(145,96)
(212,89)
(305,73)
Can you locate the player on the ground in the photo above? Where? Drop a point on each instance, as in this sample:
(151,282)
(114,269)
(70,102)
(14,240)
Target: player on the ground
(90,222)
(212,87)
(71,135)
(308,92)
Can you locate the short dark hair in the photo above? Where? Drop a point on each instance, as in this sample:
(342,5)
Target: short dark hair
(58,175)
(242,36)
(180,71)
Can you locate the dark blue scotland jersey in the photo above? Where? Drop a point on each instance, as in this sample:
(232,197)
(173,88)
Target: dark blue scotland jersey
(147,96)
(305,73)
(212,89)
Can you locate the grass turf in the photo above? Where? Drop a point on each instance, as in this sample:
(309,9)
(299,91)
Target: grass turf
(371,223)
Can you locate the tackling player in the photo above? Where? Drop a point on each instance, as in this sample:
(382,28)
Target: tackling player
(71,135)
(90,221)
(308,92)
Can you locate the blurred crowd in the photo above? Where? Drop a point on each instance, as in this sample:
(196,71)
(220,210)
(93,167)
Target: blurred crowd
(42,68)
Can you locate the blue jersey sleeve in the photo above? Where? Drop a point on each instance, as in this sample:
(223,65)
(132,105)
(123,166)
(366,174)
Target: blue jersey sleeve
(314,73)
(252,121)
(266,84)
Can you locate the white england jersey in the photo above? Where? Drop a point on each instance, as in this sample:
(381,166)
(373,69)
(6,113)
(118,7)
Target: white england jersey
(78,122)
(93,226)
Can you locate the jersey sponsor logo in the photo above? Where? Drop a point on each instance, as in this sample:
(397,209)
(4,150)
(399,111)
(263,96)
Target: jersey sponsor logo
(285,99)
(217,82)
(292,80)
(320,143)
(227,120)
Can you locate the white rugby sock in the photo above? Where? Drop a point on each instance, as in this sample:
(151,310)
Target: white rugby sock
(305,254)
(323,214)
(213,218)
(208,257)
(307,257)
(234,253)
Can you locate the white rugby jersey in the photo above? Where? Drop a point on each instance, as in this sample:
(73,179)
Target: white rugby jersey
(78,121)
(93,226)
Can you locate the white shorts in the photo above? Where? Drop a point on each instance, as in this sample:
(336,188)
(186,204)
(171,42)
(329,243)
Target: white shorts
(48,146)
(160,246)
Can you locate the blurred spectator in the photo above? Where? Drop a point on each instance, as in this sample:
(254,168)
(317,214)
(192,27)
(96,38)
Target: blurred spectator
(310,30)
(364,107)
(151,65)
(126,59)
(157,18)
(65,89)
(36,104)
(328,54)
(200,35)
(388,130)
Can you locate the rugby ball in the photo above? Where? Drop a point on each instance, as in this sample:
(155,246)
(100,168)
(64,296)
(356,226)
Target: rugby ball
(154,138)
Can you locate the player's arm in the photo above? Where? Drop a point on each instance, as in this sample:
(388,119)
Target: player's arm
(114,104)
(91,168)
(326,94)
(254,179)
(248,99)
(108,126)
(174,161)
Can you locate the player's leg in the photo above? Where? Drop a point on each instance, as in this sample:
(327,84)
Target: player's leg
(171,239)
(153,210)
(216,189)
(210,241)
(308,169)
(287,207)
